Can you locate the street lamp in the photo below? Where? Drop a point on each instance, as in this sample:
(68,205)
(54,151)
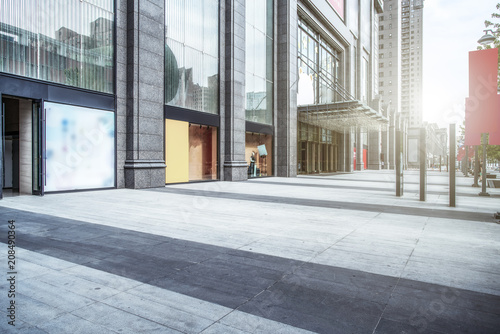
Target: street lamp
(487,37)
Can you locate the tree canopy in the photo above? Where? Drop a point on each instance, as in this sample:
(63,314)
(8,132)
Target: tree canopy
(494,25)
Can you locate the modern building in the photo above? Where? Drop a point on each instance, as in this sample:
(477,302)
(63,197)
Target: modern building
(437,145)
(137,94)
(411,61)
(400,80)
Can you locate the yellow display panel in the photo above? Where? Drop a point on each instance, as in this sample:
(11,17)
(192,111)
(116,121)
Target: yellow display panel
(176,151)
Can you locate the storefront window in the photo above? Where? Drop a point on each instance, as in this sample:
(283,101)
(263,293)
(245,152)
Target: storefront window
(190,151)
(191,54)
(73,47)
(259,61)
(202,152)
(80,148)
(259,154)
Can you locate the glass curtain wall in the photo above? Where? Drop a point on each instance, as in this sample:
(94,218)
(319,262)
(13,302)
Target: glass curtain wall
(61,41)
(192,54)
(318,68)
(259,61)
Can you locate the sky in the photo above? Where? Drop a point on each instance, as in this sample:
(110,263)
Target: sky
(451,30)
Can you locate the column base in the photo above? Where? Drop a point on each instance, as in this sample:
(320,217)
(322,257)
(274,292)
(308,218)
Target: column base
(141,174)
(374,167)
(235,171)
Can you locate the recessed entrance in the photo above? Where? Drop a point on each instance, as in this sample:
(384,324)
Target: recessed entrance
(20,138)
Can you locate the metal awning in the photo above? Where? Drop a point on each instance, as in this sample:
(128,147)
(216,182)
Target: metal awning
(340,116)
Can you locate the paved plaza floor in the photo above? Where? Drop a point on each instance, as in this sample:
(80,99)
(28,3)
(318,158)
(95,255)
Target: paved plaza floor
(333,253)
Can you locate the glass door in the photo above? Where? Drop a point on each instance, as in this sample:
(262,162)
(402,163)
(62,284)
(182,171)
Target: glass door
(38,152)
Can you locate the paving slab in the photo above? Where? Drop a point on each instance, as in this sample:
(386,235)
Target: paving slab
(335,253)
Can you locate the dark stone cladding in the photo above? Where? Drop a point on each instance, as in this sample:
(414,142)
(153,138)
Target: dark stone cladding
(142,163)
(233,138)
(286,88)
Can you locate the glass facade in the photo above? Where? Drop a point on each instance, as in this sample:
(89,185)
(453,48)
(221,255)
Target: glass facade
(318,68)
(259,61)
(191,54)
(259,154)
(61,41)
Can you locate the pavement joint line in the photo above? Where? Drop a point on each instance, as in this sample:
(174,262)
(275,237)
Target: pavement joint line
(218,322)
(137,315)
(294,269)
(437,210)
(345,236)
(399,278)
(350,187)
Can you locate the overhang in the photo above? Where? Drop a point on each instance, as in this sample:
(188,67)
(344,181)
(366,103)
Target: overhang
(340,116)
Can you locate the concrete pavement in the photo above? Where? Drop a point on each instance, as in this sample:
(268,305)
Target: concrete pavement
(325,254)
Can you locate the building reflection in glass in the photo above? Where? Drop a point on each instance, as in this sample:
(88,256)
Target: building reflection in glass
(73,47)
(192,35)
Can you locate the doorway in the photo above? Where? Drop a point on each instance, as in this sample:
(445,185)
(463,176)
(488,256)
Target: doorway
(21,149)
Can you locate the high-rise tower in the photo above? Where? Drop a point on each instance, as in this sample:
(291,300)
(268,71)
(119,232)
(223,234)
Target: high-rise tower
(400,65)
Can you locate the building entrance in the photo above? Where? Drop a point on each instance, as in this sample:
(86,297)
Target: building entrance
(317,150)
(20,151)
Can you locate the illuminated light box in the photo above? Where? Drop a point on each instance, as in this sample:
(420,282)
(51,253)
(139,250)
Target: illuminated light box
(80,148)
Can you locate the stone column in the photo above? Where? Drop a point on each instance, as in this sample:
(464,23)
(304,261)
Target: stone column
(144,102)
(349,152)
(385,145)
(286,87)
(392,142)
(341,153)
(360,164)
(235,166)
(374,140)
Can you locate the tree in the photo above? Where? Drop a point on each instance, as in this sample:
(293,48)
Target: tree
(495,26)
